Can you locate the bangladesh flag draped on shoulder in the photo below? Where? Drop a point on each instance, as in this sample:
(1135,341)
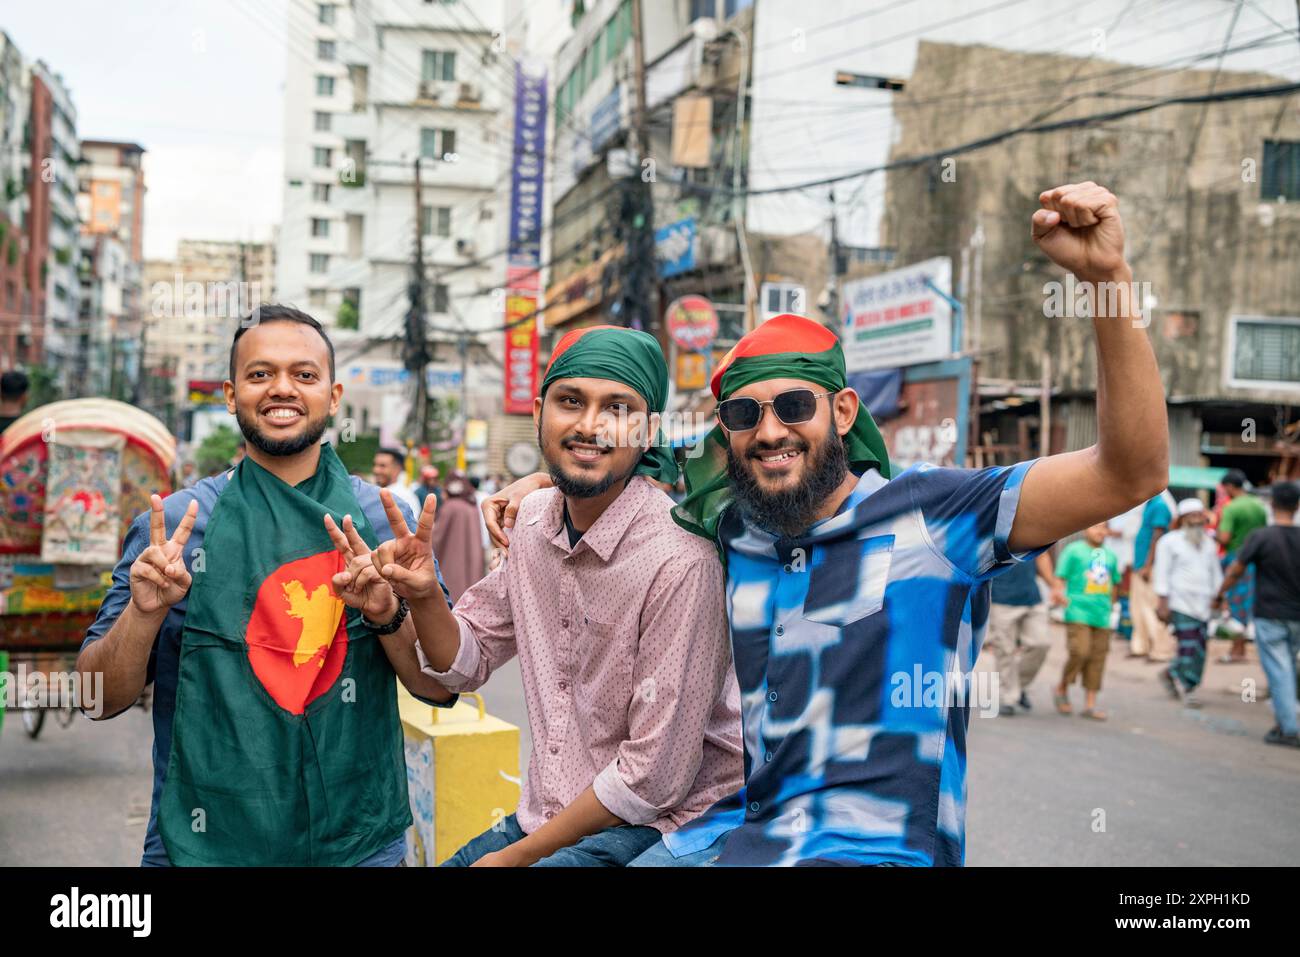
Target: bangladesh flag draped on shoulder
(286,745)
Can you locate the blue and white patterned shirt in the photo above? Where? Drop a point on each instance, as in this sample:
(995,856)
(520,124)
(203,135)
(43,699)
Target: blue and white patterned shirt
(852,643)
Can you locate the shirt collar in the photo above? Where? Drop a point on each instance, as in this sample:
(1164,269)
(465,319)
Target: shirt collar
(608,530)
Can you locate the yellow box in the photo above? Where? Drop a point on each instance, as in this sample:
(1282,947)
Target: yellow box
(462,774)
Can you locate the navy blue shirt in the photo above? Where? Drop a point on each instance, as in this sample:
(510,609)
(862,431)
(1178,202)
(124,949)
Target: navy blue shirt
(1019,586)
(164,659)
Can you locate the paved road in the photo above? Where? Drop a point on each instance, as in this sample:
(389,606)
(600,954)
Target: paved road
(1177,787)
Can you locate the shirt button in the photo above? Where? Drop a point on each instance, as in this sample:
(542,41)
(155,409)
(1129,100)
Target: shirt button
(554,750)
(768,756)
(753,806)
(549,815)
(780,629)
(564,686)
(564,623)
(771,696)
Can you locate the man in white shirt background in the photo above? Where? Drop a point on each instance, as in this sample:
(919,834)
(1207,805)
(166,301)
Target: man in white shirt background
(1186,578)
(389,471)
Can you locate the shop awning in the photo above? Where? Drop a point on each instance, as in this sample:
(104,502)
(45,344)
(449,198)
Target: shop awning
(1195,476)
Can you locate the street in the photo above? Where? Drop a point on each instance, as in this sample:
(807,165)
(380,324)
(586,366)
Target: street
(1177,787)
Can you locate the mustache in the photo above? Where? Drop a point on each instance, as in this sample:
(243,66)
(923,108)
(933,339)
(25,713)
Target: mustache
(577,437)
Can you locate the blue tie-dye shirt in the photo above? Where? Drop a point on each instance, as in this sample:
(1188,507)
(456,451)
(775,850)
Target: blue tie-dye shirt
(854,646)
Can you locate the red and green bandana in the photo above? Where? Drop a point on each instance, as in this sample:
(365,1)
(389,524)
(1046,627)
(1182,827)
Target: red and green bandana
(622,355)
(784,347)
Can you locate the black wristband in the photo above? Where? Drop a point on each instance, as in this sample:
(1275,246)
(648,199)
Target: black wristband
(400,616)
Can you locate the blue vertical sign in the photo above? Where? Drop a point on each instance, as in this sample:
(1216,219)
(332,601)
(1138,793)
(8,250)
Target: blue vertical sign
(526,169)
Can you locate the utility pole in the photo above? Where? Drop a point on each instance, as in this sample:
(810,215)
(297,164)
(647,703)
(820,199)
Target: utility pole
(833,279)
(639,288)
(415,348)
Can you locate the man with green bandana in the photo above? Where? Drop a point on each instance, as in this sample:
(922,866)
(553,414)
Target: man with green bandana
(276,734)
(616,614)
(857,598)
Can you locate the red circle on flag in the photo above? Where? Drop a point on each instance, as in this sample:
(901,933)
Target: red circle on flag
(297,634)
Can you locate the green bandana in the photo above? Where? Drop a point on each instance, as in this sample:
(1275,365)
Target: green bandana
(627,356)
(785,347)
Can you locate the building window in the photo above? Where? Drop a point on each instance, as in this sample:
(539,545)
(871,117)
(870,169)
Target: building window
(1265,351)
(439,300)
(325,49)
(320,227)
(779,297)
(1281,173)
(438,65)
(319,263)
(321,156)
(436,221)
(323,122)
(437,144)
(316,297)
(320,192)
(325,13)
(324,86)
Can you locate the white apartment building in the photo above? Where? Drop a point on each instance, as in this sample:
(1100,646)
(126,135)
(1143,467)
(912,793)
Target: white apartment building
(371,86)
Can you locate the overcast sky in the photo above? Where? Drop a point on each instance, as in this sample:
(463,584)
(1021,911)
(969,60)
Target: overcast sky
(199,84)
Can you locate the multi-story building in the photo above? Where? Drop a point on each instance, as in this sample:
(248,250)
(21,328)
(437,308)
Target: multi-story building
(15,311)
(112,189)
(650,127)
(1208,192)
(53,174)
(373,87)
(192,308)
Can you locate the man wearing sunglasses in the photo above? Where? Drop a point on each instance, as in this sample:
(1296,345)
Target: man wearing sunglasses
(857,601)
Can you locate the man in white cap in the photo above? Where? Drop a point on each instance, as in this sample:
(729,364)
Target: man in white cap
(1186,578)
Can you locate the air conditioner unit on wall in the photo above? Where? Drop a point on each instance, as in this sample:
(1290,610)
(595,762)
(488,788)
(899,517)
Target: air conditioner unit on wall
(470,93)
(465,247)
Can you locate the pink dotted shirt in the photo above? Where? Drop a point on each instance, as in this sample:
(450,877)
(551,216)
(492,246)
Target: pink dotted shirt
(626,660)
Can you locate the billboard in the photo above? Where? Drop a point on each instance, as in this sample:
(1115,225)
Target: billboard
(896,319)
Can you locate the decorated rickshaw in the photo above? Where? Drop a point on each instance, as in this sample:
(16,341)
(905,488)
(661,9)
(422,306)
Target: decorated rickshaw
(72,476)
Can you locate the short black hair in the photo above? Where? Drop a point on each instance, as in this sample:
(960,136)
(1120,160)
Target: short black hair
(1286,496)
(1235,477)
(273,312)
(398,455)
(13,384)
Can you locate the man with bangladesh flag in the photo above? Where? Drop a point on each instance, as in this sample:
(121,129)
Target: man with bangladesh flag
(252,603)
(854,596)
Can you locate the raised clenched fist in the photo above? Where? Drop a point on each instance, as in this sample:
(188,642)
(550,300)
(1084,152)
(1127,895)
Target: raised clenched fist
(1079,228)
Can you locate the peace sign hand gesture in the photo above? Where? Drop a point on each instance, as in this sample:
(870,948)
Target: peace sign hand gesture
(407,561)
(359,585)
(158,577)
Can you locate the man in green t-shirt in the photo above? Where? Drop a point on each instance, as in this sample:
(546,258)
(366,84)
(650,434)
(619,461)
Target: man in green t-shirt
(1087,573)
(1240,516)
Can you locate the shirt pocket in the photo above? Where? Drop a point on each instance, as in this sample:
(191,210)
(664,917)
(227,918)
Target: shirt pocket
(603,664)
(848,583)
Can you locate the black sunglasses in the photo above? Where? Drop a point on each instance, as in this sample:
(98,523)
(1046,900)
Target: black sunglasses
(792,408)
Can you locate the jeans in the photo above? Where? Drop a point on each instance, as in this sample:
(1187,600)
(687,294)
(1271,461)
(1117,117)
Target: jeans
(612,847)
(1278,641)
(659,856)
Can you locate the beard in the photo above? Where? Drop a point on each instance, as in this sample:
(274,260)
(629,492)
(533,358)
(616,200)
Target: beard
(291,446)
(573,487)
(1195,534)
(789,511)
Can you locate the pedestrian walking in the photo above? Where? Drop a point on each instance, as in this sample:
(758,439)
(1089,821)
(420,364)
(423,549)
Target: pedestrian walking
(1274,553)
(1186,579)
(1018,630)
(1087,573)
(1242,514)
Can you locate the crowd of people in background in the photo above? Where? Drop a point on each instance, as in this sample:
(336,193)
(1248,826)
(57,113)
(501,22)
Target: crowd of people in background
(1164,578)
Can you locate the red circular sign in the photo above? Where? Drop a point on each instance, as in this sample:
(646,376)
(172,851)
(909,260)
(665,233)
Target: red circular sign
(692,322)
